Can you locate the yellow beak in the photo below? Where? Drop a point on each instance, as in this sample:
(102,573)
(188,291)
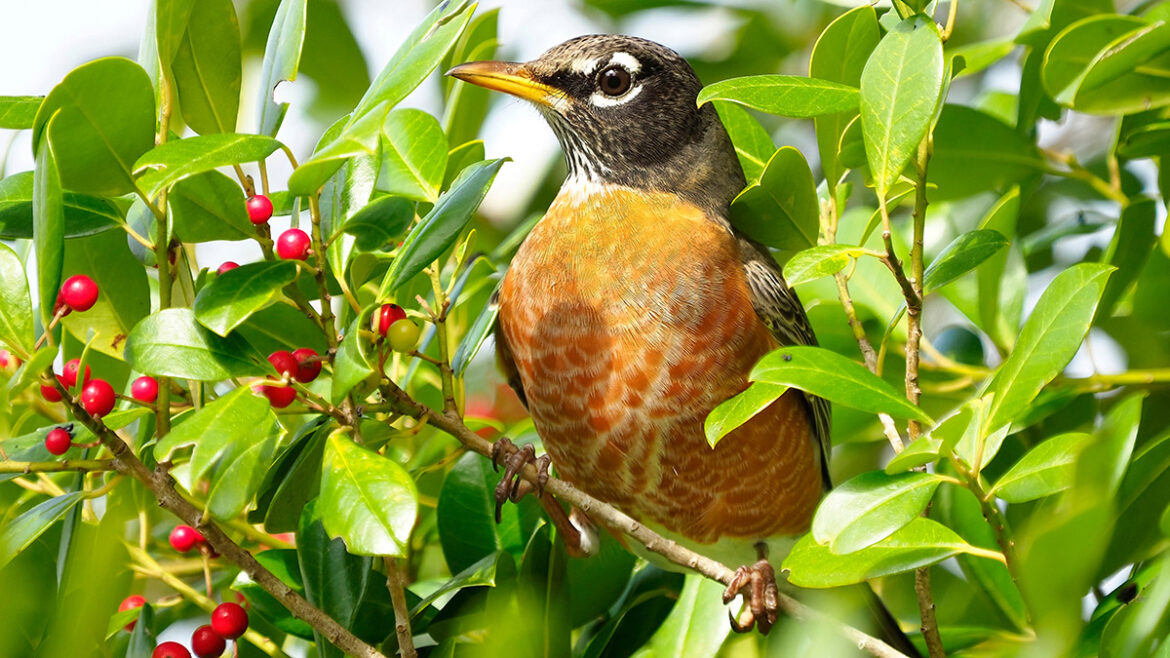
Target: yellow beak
(508,77)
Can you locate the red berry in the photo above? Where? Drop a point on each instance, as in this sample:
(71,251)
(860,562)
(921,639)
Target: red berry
(184,538)
(68,376)
(170,650)
(388,315)
(144,389)
(229,620)
(79,292)
(279,396)
(98,397)
(259,209)
(50,393)
(227,265)
(284,362)
(132,601)
(207,643)
(293,244)
(4,358)
(58,441)
(308,364)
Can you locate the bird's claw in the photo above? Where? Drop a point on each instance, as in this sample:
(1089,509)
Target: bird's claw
(762,606)
(512,485)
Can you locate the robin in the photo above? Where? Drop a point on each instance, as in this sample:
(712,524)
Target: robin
(634,307)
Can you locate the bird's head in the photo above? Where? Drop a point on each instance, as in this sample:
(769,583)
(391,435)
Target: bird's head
(624,110)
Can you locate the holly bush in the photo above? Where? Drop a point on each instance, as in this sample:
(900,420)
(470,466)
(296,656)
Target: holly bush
(305,434)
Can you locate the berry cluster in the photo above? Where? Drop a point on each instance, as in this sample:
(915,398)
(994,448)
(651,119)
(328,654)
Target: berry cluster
(398,330)
(228,622)
(293,244)
(301,365)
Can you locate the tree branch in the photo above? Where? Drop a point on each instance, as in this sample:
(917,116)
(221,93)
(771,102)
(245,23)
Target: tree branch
(397,586)
(79,465)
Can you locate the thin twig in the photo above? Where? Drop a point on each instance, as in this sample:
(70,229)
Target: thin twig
(397,586)
(79,465)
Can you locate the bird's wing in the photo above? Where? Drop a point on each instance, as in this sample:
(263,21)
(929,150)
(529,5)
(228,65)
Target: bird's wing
(504,356)
(780,309)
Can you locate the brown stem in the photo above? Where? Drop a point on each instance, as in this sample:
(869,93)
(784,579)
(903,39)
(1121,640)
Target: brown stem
(395,582)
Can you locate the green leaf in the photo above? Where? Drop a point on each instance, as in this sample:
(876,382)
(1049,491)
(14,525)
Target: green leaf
(900,90)
(357,139)
(466,105)
(170,26)
(919,543)
(475,337)
(478,574)
(351,365)
(439,229)
(105,121)
(1141,505)
(293,479)
(48,228)
(781,209)
(366,499)
(232,297)
(209,206)
(282,327)
(379,222)
(18,112)
(1044,470)
(869,507)
(240,416)
(816,262)
(739,409)
(282,57)
(1000,275)
(415,155)
(173,344)
(208,68)
(975,152)
(1145,141)
(125,290)
(84,214)
(19,532)
(240,469)
(1129,250)
(962,255)
(839,55)
(334,580)
(1048,340)
(16,318)
(282,563)
(785,95)
(919,452)
(753,145)
(414,60)
(829,375)
(178,159)
(1109,64)
(696,626)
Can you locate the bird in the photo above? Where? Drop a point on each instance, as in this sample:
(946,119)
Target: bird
(634,307)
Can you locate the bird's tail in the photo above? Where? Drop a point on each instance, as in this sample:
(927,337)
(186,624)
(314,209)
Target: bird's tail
(889,630)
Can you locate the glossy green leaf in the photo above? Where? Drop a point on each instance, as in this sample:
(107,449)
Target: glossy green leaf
(696,626)
(18,112)
(1109,64)
(960,256)
(232,297)
(466,106)
(1044,470)
(209,206)
(1047,341)
(379,222)
(208,68)
(829,375)
(351,365)
(282,327)
(781,209)
(465,515)
(19,532)
(919,543)
(178,159)
(462,157)
(1141,505)
(293,479)
(975,152)
(16,318)
(170,26)
(785,95)
(124,297)
(1104,462)
(479,574)
(739,409)
(439,229)
(30,370)
(239,470)
(869,507)
(753,145)
(240,416)
(1149,140)
(104,121)
(282,58)
(414,156)
(173,344)
(366,499)
(418,55)
(334,580)
(839,55)
(900,89)
(816,262)
(48,228)
(475,337)
(919,452)
(1133,241)
(84,214)
(1000,294)
(357,139)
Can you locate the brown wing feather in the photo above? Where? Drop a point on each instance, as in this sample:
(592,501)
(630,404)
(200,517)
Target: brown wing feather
(504,358)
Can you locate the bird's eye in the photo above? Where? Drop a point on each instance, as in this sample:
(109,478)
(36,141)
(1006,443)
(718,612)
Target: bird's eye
(614,81)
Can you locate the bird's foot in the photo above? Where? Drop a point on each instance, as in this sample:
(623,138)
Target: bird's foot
(762,605)
(512,485)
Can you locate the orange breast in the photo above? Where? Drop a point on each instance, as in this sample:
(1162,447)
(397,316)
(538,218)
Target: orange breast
(628,316)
